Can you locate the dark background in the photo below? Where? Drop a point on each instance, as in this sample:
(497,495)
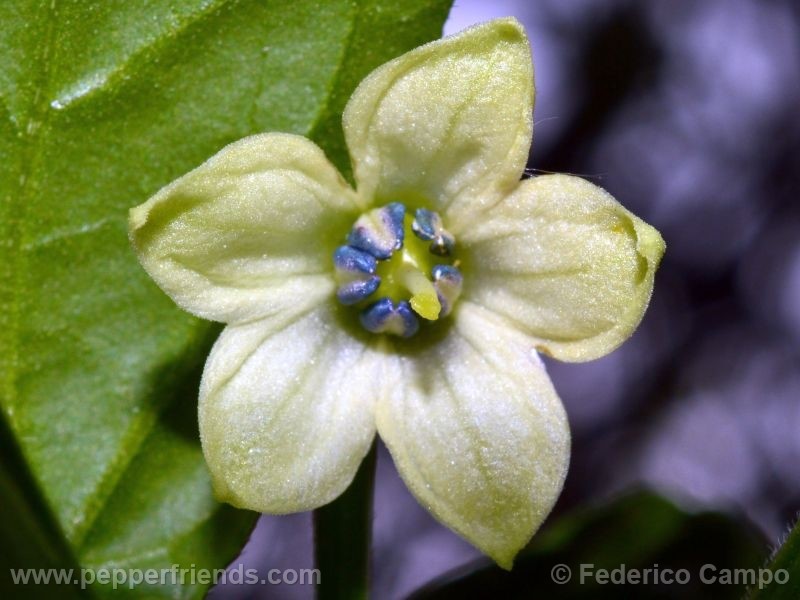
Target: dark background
(687,112)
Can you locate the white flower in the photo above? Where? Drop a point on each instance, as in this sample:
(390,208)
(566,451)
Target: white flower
(295,389)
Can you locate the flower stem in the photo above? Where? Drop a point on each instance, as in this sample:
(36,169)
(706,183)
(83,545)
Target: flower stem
(342,538)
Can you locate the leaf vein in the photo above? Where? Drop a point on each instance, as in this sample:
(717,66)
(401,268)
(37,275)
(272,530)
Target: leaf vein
(110,79)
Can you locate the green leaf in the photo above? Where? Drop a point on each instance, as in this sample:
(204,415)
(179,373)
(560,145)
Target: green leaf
(101,104)
(28,532)
(639,531)
(786,584)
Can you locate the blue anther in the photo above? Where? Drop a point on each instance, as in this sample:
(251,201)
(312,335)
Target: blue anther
(448,272)
(380,231)
(355,273)
(355,291)
(384,316)
(448,281)
(354,261)
(395,214)
(424,224)
(427,225)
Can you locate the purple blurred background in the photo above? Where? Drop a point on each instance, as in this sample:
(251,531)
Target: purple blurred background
(687,112)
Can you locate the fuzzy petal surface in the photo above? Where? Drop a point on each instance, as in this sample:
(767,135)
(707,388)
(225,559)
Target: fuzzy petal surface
(249,231)
(563,261)
(478,433)
(448,124)
(287,410)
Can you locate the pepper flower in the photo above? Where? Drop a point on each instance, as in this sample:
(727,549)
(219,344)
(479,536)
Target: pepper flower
(413,305)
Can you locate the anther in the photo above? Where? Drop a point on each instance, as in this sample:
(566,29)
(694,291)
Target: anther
(355,273)
(427,225)
(380,231)
(448,281)
(385,317)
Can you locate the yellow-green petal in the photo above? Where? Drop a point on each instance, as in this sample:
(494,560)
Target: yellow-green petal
(477,432)
(248,232)
(448,124)
(563,261)
(286,411)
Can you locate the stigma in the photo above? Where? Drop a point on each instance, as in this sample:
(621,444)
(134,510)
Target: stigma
(397,268)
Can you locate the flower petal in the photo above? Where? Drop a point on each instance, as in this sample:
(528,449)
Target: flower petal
(478,433)
(446,121)
(250,231)
(566,263)
(286,411)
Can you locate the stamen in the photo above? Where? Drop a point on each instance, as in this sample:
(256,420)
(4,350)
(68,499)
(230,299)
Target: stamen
(427,226)
(383,258)
(355,273)
(448,281)
(380,231)
(384,317)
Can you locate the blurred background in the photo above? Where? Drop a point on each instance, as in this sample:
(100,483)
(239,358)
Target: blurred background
(687,112)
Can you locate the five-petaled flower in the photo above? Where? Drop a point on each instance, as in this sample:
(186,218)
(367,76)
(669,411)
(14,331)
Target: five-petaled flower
(441,244)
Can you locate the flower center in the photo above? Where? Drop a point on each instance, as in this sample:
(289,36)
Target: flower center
(397,268)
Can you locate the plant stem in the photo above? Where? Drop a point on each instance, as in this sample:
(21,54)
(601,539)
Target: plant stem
(342,538)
